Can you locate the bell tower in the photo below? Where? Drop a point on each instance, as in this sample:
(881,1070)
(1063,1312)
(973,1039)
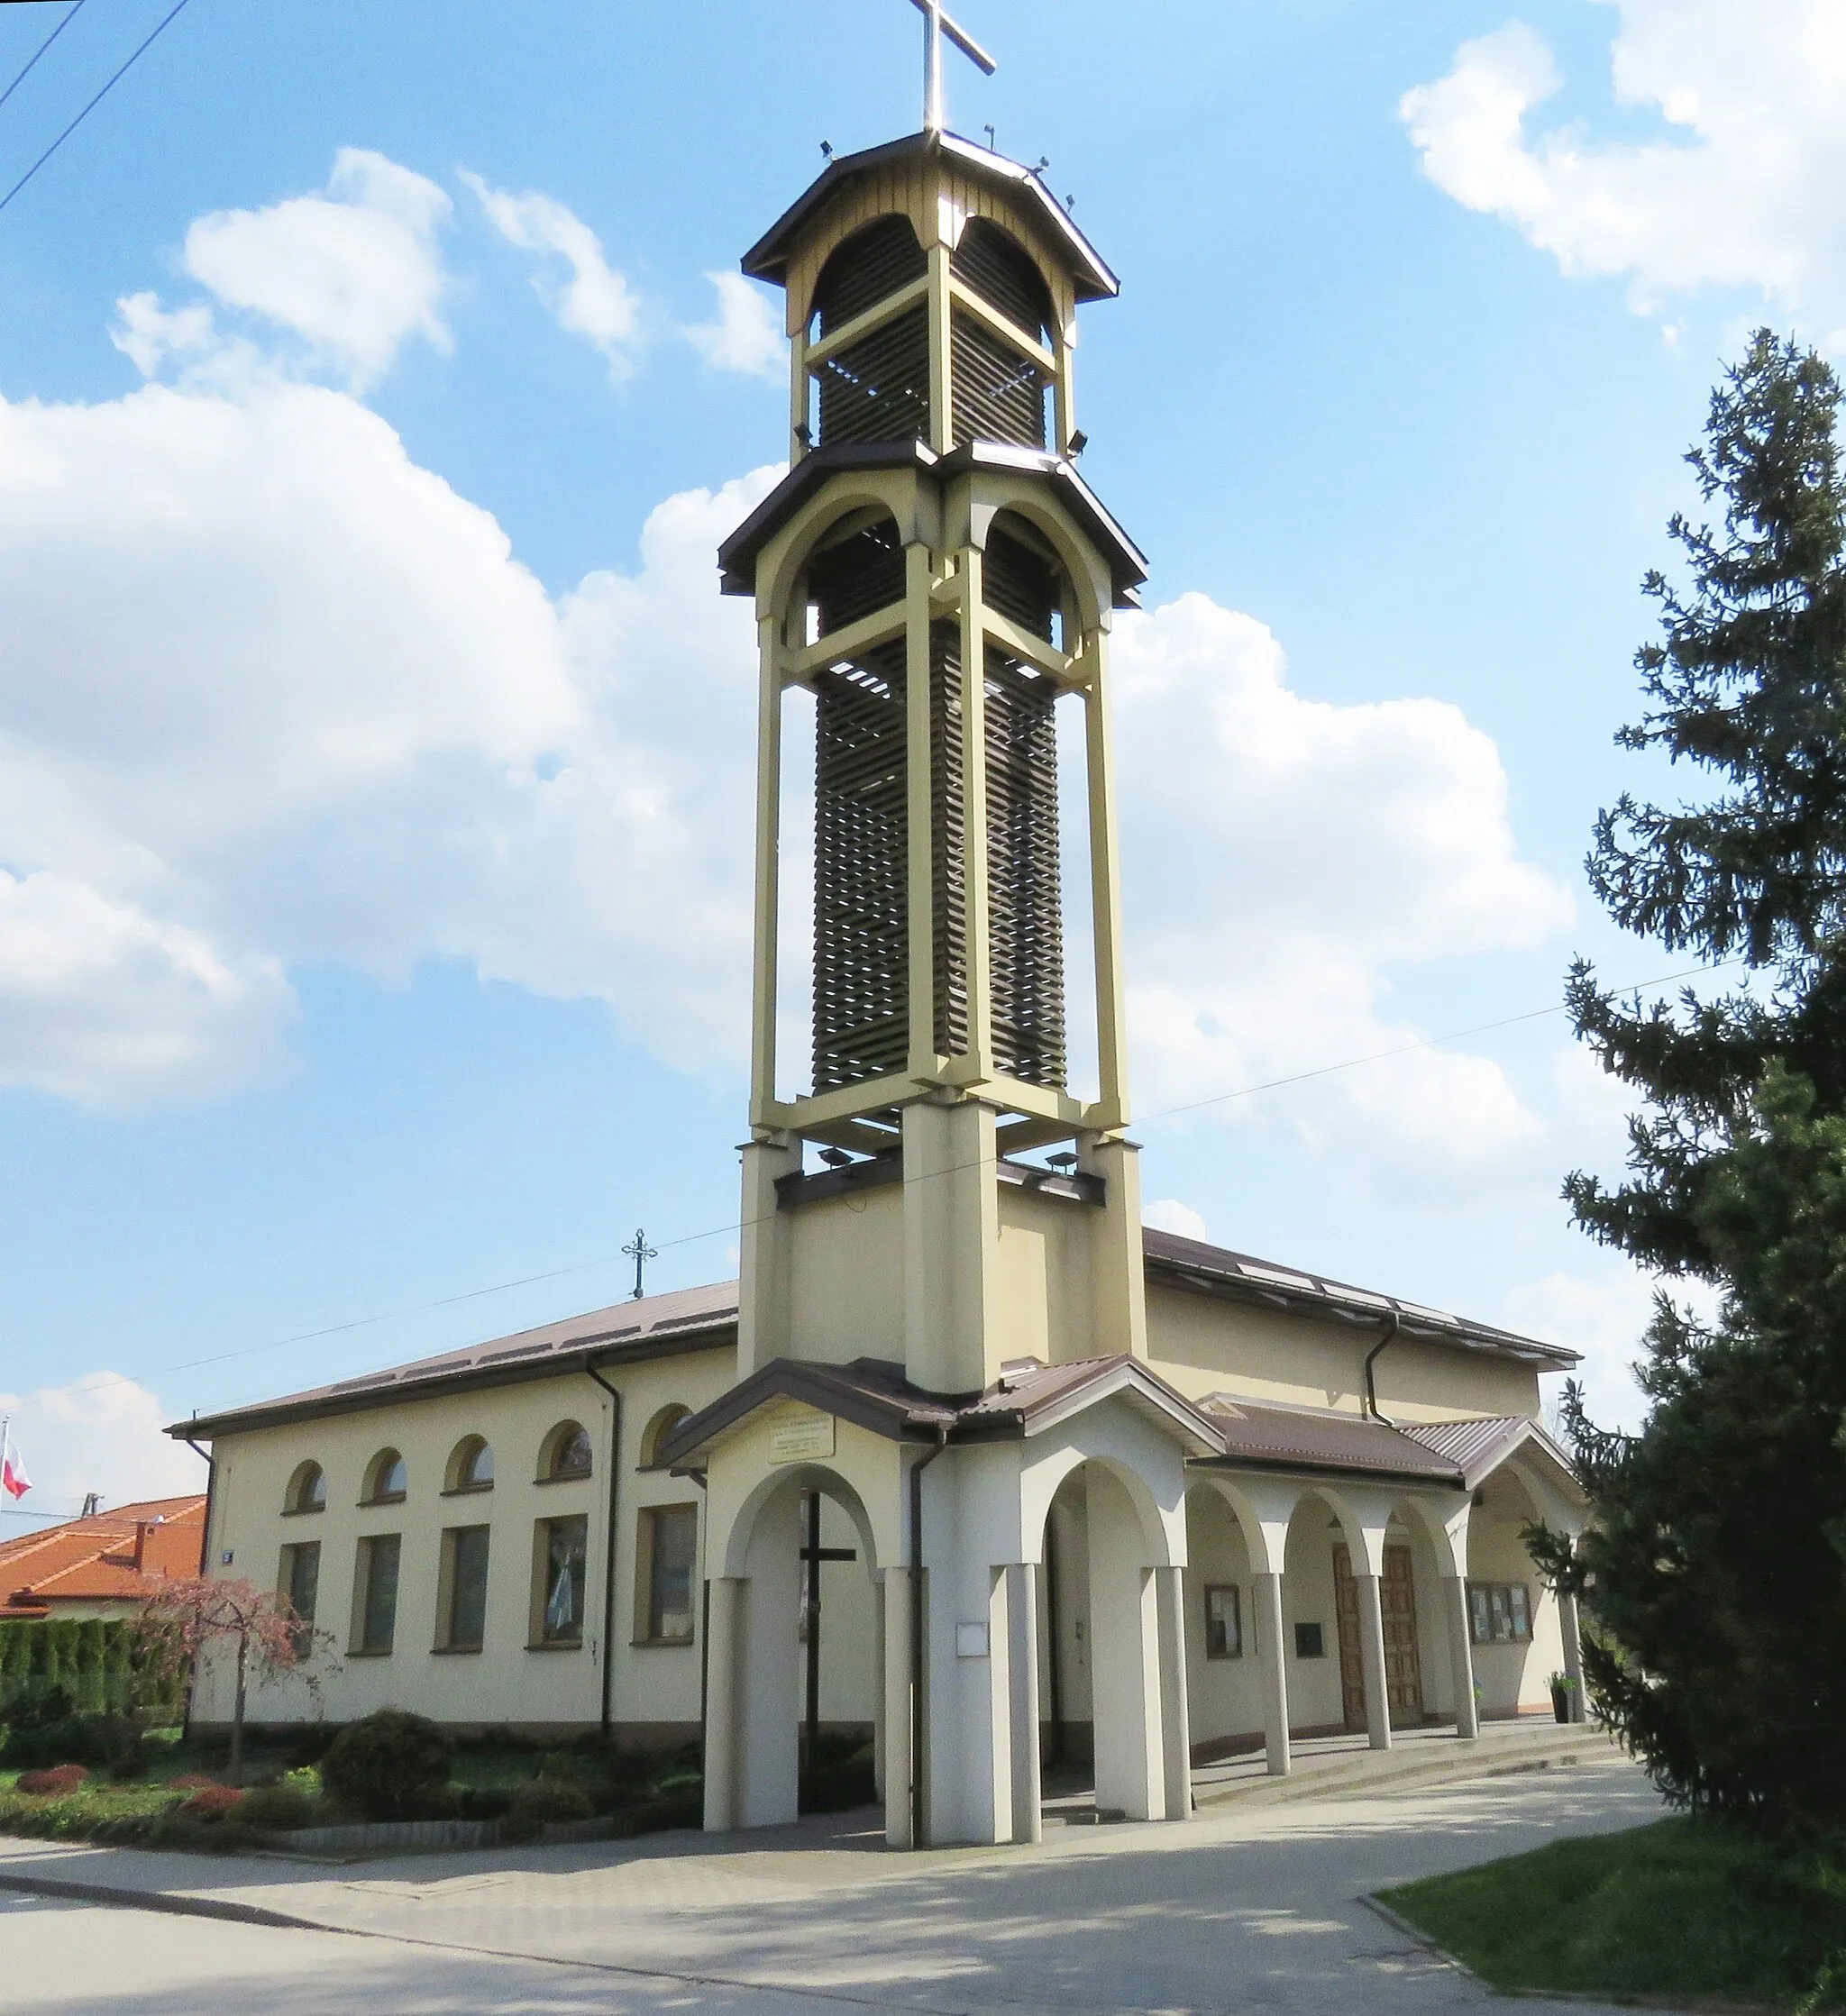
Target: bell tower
(934,574)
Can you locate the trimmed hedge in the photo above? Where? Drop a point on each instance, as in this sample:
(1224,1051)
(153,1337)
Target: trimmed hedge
(89,1660)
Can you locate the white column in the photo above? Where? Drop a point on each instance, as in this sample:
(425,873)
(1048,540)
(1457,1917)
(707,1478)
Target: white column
(1461,1657)
(721,1704)
(878,1688)
(900,1724)
(1570,1627)
(1124,1656)
(1175,1719)
(1022,1671)
(1272,1656)
(1372,1657)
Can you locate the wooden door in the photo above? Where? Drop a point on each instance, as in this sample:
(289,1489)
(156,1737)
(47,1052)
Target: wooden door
(1404,1669)
(1352,1669)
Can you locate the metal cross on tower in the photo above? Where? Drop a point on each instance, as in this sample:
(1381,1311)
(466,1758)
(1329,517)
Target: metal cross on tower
(936,24)
(640,1253)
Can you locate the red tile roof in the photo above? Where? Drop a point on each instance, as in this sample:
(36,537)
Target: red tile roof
(112,1555)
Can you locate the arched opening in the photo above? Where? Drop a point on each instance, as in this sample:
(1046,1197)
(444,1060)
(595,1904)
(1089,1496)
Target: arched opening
(806,1648)
(1111,1680)
(1224,1631)
(1317,1678)
(387,1480)
(1513,1634)
(307,1490)
(470,1467)
(660,1424)
(876,388)
(565,1453)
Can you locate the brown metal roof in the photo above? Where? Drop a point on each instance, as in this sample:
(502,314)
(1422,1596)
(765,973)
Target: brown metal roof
(1300,1439)
(687,1319)
(871,1393)
(1478,1447)
(768,258)
(1036,1398)
(705,1318)
(1242,1277)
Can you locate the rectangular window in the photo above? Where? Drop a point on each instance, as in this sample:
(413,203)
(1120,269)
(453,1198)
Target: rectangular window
(558,1560)
(461,1599)
(668,1551)
(299,1583)
(375,1610)
(1224,1626)
(1499,1613)
(1309,1642)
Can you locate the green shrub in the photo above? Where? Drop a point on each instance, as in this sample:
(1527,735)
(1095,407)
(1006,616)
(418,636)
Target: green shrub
(38,1739)
(485,1802)
(541,1801)
(389,1765)
(277,1808)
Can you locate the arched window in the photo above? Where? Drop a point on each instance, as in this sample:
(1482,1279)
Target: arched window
(307,1490)
(658,1429)
(565,1453)
(471,1465)
(386,1479)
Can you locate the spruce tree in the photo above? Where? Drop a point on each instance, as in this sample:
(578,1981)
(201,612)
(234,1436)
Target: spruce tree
(1713,1576)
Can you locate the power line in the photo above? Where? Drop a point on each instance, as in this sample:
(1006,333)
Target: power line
(42,46)
(733,1226)
(140,50)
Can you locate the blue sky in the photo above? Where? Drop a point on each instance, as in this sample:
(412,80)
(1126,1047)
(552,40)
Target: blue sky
(374,748)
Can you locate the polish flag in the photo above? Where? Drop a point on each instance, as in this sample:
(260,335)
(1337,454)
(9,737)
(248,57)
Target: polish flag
(13,1477)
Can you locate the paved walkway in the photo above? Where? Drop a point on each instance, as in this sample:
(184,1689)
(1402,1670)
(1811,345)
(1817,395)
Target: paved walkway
(1248,1907)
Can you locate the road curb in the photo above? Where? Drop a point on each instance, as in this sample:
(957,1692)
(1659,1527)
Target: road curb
(177,1904)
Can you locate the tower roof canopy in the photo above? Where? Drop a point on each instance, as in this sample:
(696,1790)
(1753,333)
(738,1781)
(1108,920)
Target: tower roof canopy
(768,258)
(736,558)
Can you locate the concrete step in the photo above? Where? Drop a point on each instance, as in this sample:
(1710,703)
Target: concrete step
(1420,1761)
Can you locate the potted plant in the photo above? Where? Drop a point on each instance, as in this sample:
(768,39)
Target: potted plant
(1562,1688)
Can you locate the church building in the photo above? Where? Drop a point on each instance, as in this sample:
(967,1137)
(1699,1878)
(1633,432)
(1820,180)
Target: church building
(968,1461)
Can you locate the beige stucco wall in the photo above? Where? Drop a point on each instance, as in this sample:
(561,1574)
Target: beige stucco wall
(655,1688)
(1200,1345)
(847,1278)
(1044,1269)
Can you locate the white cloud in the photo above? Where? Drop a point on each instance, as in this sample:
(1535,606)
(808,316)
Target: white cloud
(100,1433)
(355,271)
(271,694)
(98,1001)
(1604,1315)
(596,302)
(1283,858)
(1167,1214)
(1740,191)
(747,335)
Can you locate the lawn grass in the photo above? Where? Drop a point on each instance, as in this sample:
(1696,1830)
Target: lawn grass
(1683,1908)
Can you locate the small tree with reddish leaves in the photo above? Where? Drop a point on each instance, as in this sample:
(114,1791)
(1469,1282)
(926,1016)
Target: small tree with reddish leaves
(182,1618)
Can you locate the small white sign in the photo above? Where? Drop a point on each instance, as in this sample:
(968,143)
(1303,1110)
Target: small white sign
(971,1641)
(800,1437)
